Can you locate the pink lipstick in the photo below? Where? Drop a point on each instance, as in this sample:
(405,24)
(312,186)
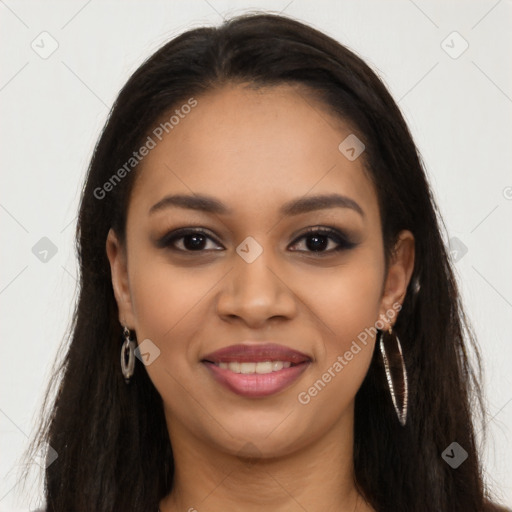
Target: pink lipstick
(256,369)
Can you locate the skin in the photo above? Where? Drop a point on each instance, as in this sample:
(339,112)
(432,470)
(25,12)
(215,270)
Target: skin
(255,150)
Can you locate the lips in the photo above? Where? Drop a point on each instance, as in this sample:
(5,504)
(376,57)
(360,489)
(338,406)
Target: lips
(256,370)
(245,353)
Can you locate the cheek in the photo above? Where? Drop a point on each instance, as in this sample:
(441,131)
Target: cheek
(349,300)
(167,303)
(348,305)
(165,296)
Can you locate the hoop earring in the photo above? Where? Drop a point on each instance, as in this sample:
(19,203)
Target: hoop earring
(128,346)
(401,412)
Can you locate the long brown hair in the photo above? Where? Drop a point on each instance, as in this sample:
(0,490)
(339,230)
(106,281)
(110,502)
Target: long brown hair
(113,447)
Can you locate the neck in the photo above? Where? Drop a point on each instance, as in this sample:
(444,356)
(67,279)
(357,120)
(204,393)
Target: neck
(318,477)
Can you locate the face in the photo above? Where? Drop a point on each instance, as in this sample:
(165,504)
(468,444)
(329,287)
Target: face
(310,277)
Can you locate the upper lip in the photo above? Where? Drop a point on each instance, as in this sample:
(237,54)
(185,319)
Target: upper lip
(244,352)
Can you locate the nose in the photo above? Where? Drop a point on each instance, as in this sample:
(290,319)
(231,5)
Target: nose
(256,292)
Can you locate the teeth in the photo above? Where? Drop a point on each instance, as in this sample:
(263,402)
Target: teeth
(259,367)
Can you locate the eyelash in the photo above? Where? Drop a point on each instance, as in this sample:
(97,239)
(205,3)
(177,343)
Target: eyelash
(343,242)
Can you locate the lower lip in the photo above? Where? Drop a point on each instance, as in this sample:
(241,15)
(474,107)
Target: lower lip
(256,384)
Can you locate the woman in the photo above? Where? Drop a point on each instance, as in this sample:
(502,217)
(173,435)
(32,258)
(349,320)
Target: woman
(268,317)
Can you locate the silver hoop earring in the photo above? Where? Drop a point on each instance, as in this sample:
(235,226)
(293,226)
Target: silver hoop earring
(127,348)
(401,411)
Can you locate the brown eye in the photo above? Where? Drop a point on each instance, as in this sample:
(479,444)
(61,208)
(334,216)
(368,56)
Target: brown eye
(318,239)
(192,240)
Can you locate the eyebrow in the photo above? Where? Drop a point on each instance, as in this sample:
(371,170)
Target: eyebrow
(210,204)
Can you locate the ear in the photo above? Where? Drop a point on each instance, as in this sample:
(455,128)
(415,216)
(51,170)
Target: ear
(116,254)
(399,274)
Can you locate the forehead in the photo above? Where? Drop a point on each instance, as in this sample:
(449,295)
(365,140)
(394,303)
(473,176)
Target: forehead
(253,149)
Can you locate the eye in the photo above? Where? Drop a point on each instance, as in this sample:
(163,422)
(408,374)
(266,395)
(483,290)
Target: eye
(193,240)
(318,240)
(196,240)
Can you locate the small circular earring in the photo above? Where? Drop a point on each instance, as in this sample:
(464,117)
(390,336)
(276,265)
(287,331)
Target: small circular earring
(128,348)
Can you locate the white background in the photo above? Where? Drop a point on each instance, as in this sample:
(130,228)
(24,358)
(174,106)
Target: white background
(52,110)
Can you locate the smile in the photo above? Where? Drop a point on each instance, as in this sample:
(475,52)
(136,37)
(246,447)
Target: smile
(255,369)
(259,367)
